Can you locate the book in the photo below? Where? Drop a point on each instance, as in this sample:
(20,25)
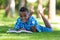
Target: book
(19,31)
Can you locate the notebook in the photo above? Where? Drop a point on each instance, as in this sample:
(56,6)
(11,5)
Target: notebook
(19,31)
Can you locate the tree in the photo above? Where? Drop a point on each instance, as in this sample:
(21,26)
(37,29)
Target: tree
(7,8)
(52,9)
(10,7)
(23,3)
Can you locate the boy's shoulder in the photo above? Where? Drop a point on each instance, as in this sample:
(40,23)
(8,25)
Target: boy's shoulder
(31,17)
(18,19)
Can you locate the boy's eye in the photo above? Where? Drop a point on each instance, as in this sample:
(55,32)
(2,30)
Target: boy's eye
(22,15)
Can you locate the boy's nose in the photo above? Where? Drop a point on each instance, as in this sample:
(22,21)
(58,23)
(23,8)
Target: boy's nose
(23,18)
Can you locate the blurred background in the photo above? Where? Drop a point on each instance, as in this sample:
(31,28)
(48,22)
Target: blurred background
(9,12)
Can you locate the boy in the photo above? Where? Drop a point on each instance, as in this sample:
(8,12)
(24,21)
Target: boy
(26,22)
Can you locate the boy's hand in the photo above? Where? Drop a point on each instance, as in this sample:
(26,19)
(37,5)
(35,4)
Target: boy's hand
(33,29)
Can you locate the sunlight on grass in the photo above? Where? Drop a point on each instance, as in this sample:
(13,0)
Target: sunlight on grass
(2,11)
(56,27)
(14,37)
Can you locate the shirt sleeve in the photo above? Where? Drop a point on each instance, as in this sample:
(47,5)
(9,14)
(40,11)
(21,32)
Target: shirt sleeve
(33,22)
(40,28)
(16,26)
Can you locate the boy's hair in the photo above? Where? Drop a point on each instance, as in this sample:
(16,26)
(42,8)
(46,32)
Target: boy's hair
(23,9)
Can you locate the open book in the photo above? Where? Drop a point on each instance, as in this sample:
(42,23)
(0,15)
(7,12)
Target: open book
(19,31)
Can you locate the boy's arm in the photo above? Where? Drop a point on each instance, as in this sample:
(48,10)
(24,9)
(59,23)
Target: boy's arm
(16,26)
(45,21)
(33,29)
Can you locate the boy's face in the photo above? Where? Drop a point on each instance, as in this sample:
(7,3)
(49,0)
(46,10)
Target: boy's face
(23,16)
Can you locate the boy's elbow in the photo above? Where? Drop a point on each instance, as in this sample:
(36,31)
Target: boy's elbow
(16,27)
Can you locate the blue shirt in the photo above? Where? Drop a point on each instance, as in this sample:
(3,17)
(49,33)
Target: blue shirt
(30,23)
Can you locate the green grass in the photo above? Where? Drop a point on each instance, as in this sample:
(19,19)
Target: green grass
(6,23)
(34,36)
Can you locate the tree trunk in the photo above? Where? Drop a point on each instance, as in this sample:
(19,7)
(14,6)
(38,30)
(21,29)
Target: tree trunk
(23,3)
(7,8)
(12,8)
(52,9)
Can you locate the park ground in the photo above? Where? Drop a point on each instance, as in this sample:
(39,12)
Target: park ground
(8,22)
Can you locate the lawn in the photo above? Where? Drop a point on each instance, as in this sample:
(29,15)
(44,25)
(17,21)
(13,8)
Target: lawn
(6,23)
